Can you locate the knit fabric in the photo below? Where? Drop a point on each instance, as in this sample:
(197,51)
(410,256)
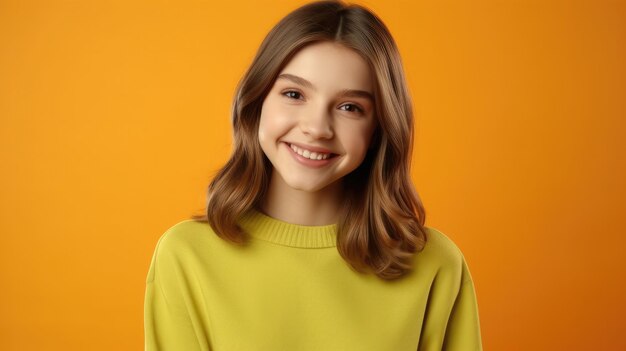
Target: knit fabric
(289,289)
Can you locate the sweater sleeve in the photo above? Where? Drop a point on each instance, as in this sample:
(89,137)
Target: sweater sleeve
(167,323)
(463,329)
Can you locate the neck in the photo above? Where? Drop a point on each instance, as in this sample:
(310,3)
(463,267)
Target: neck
(302,207)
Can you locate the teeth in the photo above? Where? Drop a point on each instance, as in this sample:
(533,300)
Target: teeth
(308,154)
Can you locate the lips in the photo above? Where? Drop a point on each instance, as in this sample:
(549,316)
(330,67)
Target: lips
(312,148)
(309,162)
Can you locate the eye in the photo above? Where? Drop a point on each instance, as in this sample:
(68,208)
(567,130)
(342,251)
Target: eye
(360,110)
(286,94)
(293,94)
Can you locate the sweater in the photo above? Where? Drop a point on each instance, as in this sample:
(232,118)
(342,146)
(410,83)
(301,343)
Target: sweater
(290,290)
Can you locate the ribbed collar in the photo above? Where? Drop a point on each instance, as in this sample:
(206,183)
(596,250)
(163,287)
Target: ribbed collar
(264,227)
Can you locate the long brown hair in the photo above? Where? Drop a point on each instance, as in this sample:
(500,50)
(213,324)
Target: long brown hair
(381,225)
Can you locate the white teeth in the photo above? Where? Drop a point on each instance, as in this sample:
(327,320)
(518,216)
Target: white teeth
(308,154)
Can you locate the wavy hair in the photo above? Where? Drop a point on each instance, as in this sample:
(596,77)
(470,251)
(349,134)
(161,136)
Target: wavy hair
(381,223)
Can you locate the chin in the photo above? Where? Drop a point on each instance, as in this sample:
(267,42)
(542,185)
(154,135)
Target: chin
(306,187)
(311,187)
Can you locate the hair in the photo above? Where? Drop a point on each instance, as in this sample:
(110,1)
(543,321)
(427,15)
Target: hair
(381,221)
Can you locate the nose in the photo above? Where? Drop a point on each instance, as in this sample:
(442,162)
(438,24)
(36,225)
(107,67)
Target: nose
(317,124)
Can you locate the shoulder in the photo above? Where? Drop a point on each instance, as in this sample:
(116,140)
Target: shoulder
(442,255)
(442,245)
(178,245)
(185,232)
(184,239)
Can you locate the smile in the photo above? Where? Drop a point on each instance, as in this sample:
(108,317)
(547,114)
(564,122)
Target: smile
(310,159)
(310,154)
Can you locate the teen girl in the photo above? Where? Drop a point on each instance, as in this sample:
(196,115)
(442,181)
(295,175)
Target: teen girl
(313,238)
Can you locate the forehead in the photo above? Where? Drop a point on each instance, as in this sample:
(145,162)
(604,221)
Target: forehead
(331,67)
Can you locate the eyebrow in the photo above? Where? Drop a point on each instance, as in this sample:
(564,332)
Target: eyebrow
(346,92)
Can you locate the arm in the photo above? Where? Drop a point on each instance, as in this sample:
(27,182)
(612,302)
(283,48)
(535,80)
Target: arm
(463,329)
(165,326)
(167,323)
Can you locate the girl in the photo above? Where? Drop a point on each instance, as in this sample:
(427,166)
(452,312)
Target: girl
(313,237)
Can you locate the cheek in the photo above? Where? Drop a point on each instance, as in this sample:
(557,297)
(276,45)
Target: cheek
(358,138)
(355,143)
(272,122)
(263,124)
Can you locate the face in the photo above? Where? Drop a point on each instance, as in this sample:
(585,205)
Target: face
(322,106)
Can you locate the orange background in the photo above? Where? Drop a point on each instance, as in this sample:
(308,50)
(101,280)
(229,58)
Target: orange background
(114,115)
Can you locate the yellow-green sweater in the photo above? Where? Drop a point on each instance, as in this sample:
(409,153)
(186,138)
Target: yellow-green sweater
(290,290)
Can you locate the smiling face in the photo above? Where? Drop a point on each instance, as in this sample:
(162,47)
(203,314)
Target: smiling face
(322,102)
